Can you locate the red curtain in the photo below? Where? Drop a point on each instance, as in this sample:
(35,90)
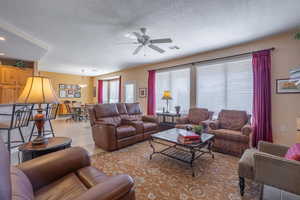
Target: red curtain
(262,124)
(100,91)
(151,93)
(120,87)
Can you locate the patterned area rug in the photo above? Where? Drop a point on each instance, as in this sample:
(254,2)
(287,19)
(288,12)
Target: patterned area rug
(163,178)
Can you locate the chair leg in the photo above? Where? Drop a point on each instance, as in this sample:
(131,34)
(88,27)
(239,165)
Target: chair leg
(21,134)
(51,128)
(31,134)
(8,140)
(242,185)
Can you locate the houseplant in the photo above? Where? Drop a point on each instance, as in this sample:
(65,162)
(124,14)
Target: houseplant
(198,129)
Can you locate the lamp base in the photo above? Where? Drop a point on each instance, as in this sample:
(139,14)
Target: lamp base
(39,140)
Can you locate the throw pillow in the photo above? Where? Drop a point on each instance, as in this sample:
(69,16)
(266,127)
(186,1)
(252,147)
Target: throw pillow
(293,153)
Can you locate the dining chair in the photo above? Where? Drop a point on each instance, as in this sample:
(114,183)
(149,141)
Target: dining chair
(17,118)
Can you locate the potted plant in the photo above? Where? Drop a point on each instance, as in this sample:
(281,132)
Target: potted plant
(198,129)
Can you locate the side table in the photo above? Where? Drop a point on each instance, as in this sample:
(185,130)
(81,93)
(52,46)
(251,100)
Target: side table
(54,144)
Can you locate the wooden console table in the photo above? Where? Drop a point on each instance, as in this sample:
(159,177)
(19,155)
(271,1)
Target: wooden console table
(164,118)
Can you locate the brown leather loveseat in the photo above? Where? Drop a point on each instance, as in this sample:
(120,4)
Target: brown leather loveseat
(115,126)
(62,175)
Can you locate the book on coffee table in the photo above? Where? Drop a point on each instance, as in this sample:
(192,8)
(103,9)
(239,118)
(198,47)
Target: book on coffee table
(188,135)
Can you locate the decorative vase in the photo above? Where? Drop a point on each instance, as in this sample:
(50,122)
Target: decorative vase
(177,108)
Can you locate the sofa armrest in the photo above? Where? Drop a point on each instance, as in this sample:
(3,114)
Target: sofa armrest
(114,188)
(138,125)
(273,149)
(182,120)
(149,118)
(277,172)
(46,169)
(104,136)
(246,130)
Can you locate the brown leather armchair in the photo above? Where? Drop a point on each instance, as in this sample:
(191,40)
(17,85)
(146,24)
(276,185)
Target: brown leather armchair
(195,117)
(115,126)
(232,132)
(62,175)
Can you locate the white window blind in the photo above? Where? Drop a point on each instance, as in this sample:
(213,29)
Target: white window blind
(111,91)
(105,92)
(129,92)
(177,81)
(225,85)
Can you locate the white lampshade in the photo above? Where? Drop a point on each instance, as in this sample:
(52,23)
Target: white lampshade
(38,90)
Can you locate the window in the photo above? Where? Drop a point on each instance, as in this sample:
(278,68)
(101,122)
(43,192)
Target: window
(129,92)
(225,85)
(177,81)
(111,91)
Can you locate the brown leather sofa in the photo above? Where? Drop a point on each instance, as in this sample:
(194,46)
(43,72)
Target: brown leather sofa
(62,175)
(115,126)
(196,116)
(232,132)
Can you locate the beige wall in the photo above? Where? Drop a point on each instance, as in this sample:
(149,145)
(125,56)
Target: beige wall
(58,78)
(285,107)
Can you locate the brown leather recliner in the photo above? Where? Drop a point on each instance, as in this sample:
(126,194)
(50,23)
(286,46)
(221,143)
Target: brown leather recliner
(62,175)
(232,132)
(196,116)
(118,125)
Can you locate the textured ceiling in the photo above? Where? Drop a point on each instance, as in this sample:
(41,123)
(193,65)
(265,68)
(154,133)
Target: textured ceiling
(87,34)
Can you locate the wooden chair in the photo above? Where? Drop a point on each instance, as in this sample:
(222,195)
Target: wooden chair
(18,118)
(50,114)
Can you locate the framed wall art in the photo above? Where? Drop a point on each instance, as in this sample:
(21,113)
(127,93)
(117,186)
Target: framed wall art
(142,92)
(69,91)
(287,86)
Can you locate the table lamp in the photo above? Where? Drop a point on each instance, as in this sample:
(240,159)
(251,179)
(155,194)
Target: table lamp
(167,96)
(38,90)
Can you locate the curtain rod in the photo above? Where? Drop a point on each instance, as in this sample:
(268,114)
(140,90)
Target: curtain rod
(218,58)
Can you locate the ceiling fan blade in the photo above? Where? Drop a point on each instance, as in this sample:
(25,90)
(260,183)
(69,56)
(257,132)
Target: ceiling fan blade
(137,50)
(137,34)
(163,40)
(120,43)
(156,48)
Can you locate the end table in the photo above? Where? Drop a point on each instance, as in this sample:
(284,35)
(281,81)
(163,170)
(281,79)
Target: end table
(54,144)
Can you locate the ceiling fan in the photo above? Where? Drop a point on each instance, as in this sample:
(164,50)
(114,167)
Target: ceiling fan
(145,41)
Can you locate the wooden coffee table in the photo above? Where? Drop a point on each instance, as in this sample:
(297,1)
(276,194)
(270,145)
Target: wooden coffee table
(187,153)
(54,144)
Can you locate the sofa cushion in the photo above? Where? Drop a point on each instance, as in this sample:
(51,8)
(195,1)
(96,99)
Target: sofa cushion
(125,131)
(21,186)
(133,108)
(105,110)
(90,176)
(197,115)
(68,188)
(149,126)
(230,135)
(232,119)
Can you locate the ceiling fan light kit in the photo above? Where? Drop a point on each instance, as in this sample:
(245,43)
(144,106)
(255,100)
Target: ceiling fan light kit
(145,41)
